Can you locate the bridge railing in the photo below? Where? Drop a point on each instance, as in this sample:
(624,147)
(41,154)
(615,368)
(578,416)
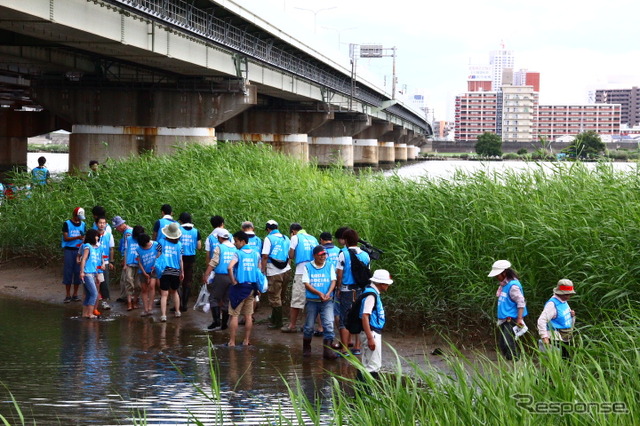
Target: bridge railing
(202,23)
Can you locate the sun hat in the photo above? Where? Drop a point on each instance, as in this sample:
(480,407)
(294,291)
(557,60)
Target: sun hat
(117,221)
(564,286)
(172,231)
(381,276)
(79,211)
(221,233)
(319,250)
(498,267)
(271,224)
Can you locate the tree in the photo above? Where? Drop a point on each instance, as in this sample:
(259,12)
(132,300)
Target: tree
(586,144)
(489,145)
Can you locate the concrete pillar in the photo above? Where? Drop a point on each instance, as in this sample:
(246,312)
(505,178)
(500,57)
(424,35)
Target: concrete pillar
(332,150)
(401,152)
(13,153)
(296,145)
(386,153)
(412,152)
(365,152)
(88,143)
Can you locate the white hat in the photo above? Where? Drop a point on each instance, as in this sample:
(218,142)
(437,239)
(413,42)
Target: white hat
(221,233)
(381,276)
(172,231)
(498,267)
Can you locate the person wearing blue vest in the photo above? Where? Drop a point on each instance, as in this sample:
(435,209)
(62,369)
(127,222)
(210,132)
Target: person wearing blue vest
(326,241)
(173,271)
(319,278)
(40,175)
(373,320)
(512,307)
(301,252)
(148,251)
(129,244)
(191,243)
(165,219)
(73,231)
(211,242)
(244,273)
(349,290)
(107,245)
(90,266)
(275,265)
(254,241)
(560,317)
(219,288)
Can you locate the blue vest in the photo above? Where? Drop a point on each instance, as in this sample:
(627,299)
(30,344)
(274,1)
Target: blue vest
(332,253)
(130,247)
(105,239)
(279,246)
(507,307)
(226,256)
(172,253)
(189,241)
(40,175)
(304,249)
(563,319)
(347,276)
(246,270)
(148,256)
(256,243)
(377,318)
(320,279)
(213,243)
(163,222)
(73,231)
(93,264)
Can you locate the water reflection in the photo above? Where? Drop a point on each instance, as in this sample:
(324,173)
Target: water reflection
(67,370)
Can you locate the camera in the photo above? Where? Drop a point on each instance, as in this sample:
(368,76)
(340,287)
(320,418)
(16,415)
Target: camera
(373,252)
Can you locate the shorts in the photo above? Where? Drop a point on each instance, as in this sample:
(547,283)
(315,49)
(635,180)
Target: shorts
(142,280)
(100,277)
(169,282)
(298,293)
(244,308)
(346,300)
(71,268)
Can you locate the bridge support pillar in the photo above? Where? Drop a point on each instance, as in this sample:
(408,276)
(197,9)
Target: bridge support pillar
(365,152)
(295,145)
(98,143)
(386,152)
(332,150)
(401,152)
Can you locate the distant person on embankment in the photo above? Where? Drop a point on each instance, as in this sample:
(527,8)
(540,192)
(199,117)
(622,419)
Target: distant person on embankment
(512,307)
(94,167)
(560,316)
(73,231)
(40,175)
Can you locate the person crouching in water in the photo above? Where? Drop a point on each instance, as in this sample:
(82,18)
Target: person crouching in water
(173,271)
(244,274)
(373,320)
(512,307)
(561,317)
(90,265)
(319,279)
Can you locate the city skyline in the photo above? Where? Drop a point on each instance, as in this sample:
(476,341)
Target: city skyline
(576,48)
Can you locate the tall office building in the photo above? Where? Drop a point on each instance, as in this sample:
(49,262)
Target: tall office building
(629,99)
(499,60)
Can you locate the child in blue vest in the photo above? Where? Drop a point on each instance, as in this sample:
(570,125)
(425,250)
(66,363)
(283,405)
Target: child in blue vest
(512,307)
(319,279)
(90,266)
(148,251)
(559,316)
(173,269)
(244,273)
(40,175)
(373,321)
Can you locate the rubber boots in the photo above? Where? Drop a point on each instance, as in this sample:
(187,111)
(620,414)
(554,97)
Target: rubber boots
(184,299)
(327,352)
(215,313)
(306,347)
(225,320)
(276,318)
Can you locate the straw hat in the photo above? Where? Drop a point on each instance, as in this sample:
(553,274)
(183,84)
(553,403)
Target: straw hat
(564,286)
(498,267)
(172,231)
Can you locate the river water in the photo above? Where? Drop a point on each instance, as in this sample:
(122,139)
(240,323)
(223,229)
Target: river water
(65,370)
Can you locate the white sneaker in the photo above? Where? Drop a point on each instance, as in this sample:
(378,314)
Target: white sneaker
(105,305)
(178,314)
(163,319)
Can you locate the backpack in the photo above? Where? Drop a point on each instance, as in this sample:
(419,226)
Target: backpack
(354,322)
(360,272)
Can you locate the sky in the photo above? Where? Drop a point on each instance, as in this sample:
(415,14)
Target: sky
(576,46)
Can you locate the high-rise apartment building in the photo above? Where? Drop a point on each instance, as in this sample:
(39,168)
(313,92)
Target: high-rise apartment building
(476,113)
(499,60)
(519,112)
(562,120)
(629,100)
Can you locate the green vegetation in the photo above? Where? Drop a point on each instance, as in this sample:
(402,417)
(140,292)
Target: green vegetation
(439,238)
(586,145)
(35,147)
(489,145)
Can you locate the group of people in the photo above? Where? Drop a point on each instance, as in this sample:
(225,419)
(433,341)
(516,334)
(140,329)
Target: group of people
(555,324)
(322,281)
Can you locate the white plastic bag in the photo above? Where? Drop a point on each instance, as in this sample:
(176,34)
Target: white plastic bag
(202,302)
(519,331)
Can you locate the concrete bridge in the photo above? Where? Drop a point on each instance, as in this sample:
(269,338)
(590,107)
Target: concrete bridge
(125,76)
